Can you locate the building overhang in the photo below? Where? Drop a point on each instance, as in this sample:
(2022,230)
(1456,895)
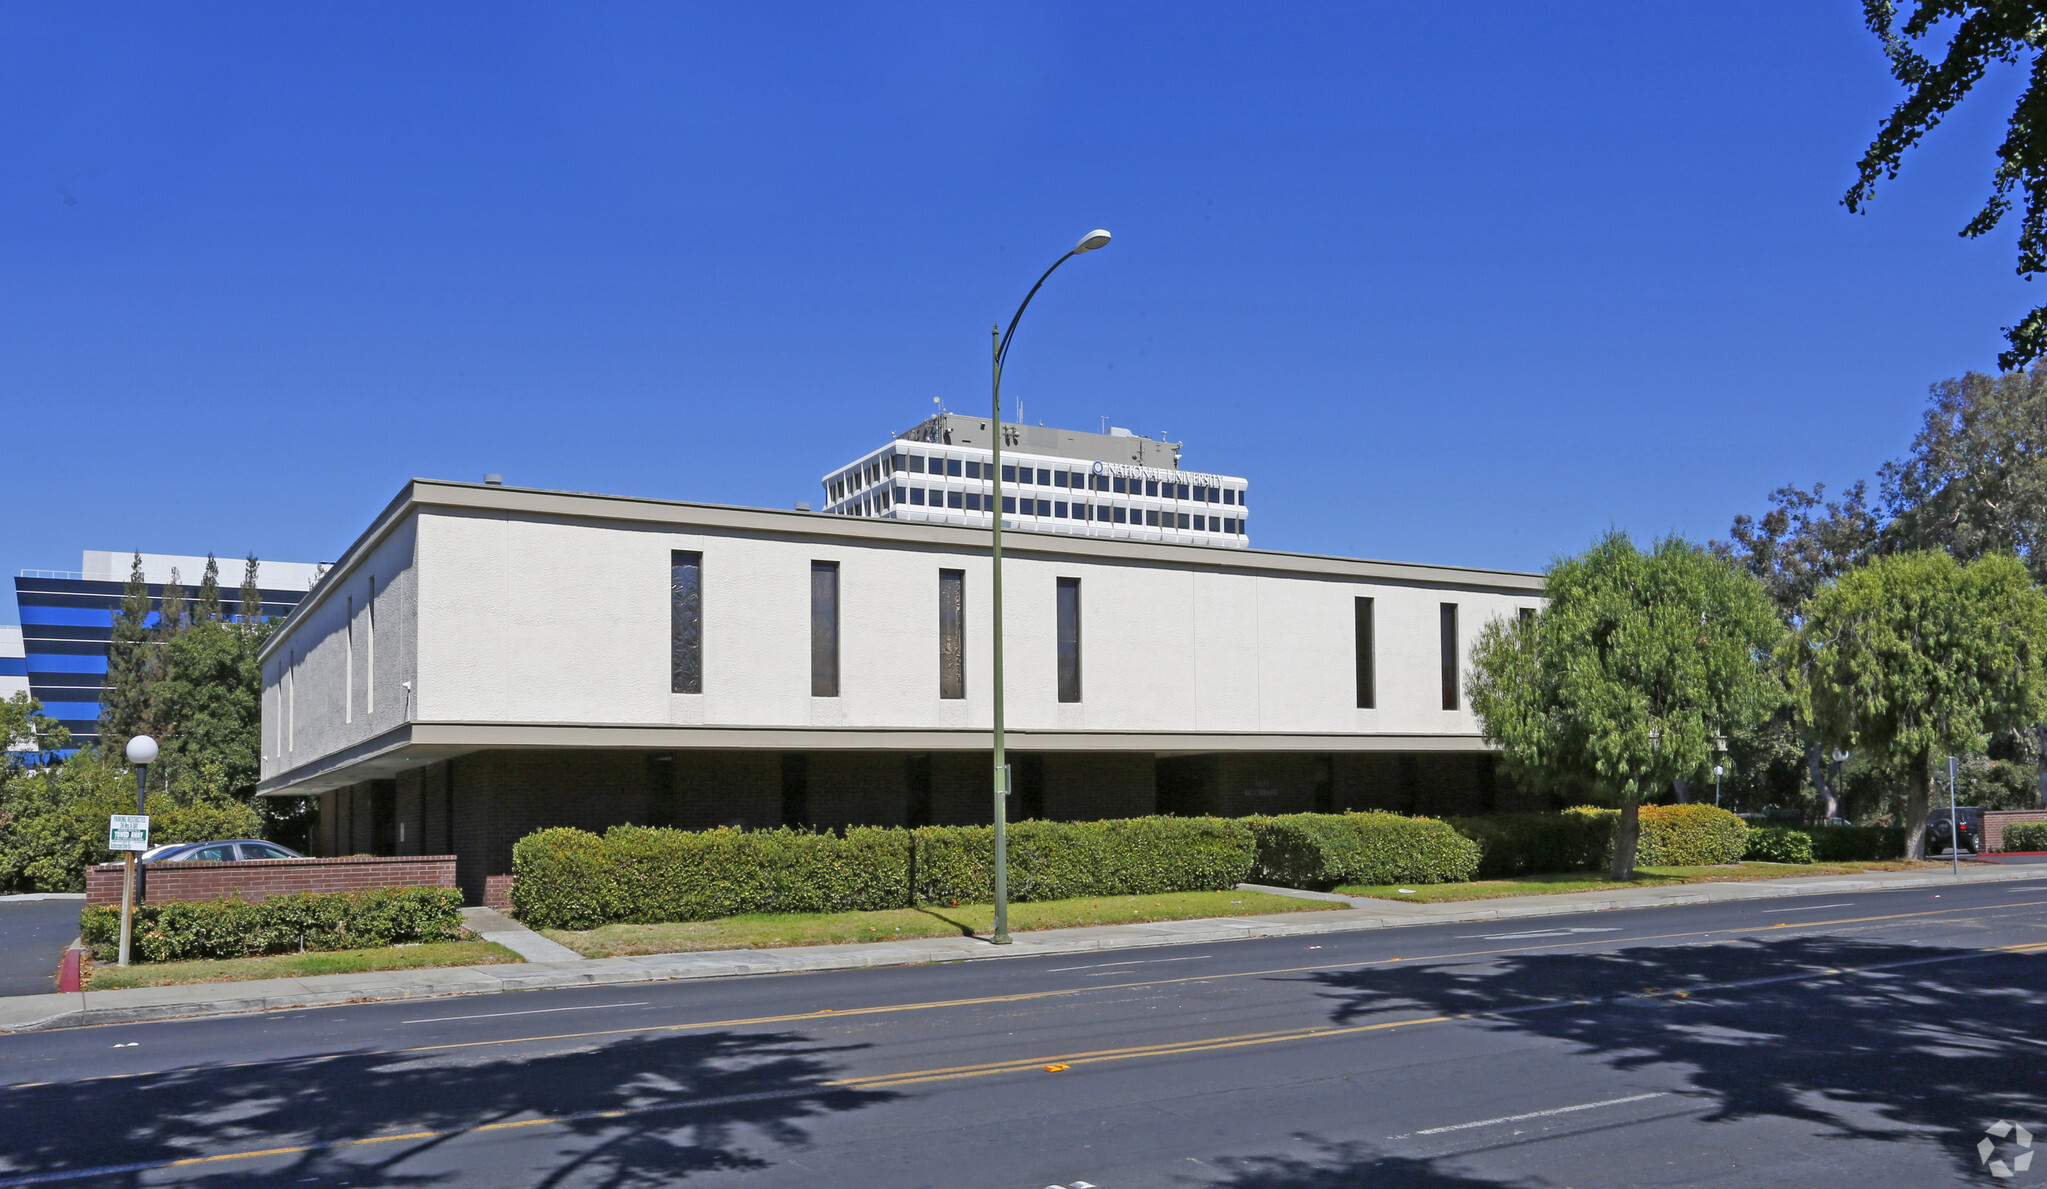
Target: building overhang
(418,744)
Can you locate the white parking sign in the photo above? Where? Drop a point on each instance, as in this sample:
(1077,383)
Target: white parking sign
(127,831)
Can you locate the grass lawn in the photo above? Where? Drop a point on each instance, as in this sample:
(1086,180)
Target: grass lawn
(766,931)
(229,970)
(1593,881)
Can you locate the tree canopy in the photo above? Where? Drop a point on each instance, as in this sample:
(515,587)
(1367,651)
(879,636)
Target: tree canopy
(1917,655)
(1627,678)
(1981,33)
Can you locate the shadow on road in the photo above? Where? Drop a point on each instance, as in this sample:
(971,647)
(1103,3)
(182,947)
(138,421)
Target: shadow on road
(631,1111)
(1344,1166)
(1919,1044)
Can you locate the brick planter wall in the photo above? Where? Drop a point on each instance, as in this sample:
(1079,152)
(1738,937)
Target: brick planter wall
(497,893)
(262,879)
(1994,822)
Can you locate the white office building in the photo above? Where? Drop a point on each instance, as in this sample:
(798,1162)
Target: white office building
(485,661)
(1116,485)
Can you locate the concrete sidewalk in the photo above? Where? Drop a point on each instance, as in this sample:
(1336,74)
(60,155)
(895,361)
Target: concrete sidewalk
(25,1013)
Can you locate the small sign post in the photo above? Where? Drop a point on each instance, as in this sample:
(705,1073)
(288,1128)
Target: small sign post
(128,833)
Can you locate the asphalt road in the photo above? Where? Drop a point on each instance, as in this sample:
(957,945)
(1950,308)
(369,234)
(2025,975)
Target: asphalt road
(33,934)
(1854,1039)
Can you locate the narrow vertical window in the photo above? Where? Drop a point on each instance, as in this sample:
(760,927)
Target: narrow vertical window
(369,667)
(291,703)
(952,633)
(348,666)
(686,623)
(1368,694)
(824,629)
(1449,656)
(1069,639)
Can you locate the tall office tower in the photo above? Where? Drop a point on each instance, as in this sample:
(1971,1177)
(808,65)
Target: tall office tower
(1114,484)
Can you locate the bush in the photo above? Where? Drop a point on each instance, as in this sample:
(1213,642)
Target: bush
(1322,850)
(2026,836)
(1849,844)
(1520,843)
(1690,836)
(53,824)
(1778,844)
(572,879)
(282,924)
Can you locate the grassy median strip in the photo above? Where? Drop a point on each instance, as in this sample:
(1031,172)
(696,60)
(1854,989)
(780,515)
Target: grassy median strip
(769,931)
(229,970)
(1552,883)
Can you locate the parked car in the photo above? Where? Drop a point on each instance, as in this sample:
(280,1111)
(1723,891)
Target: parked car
(234,850)
(1968,830)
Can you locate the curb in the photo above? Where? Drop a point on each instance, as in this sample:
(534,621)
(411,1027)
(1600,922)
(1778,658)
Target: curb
(34,1013)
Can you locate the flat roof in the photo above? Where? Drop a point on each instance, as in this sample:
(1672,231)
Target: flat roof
(422,494)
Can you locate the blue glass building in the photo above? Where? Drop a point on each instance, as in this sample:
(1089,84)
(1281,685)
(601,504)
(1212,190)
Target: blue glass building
(67,620)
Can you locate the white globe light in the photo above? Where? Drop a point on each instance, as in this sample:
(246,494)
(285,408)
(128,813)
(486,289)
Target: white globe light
(141,750)
(1092,240)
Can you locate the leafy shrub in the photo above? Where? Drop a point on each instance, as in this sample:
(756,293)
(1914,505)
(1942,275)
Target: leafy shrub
(1690,836)
(282,924)
(1520,843)
(1322,850)
(2026,836)
(1778,844)
(572,879)
(1849,844)
(53,824)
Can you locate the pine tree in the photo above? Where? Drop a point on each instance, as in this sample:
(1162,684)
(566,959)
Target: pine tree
(252,597)
(208,607)
(124,705)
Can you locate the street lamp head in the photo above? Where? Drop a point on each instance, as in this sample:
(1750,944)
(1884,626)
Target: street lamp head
(141,750)
(1092,240)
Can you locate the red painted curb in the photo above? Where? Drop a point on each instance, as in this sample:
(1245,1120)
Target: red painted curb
(68,976)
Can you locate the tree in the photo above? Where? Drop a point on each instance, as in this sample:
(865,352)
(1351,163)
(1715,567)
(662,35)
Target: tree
(1625,680)
(207,605)
(1916,655)
(26,731)
(250,604)
(124,703)
(1804,541)
(1975,481)
(210,701)
(1982,32)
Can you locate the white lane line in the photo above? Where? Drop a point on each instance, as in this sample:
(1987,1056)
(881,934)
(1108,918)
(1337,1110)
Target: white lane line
(1131,962)
(1813,907)
(1533,933)
(1555,1110)
(538,1011)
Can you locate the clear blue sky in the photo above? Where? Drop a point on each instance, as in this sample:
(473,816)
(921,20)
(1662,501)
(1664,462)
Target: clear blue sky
(1453,283)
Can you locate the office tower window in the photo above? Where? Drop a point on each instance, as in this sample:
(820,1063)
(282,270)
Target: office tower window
(952,633)
(916,464)
(1449,616)
(1183,520)
(1044,477)
(1059,480)
(973,501)
(1151,486)
(1044,507)
(1009,474)
(937,497)
(1368,692)
(1069,639)
(686,623)
(952,499)
(952,467)
(1230,526)
(824,629)
(1120,514)
(916,495)
(1229,495)
(1151,518)
(1182,490)
(1059,510)
(973,469)
(1009,505)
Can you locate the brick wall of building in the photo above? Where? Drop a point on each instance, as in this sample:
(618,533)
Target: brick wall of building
(255,881)
(1995,820)
(1098,785)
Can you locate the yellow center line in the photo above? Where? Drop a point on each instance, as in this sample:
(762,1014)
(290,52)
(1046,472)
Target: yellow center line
(1018,1065)
(1029,996)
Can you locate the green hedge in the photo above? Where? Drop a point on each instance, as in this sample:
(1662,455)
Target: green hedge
(1322,850)
(1679,835)
(1848,844)
(572,879)
(282,924)
(1778,844)
(1512,844)
(2026,836)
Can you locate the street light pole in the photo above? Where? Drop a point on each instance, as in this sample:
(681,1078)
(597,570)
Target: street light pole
(141,750)
(1088,243)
